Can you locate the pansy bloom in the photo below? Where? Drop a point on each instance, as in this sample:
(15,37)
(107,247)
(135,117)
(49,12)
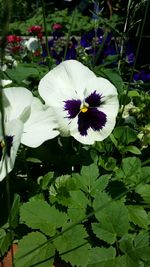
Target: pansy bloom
(85,106)
(26,121)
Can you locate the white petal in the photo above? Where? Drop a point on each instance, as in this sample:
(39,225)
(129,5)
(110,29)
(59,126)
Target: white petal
(92,135)
(13,128)
(5,82)
(102,86)
(66,81)
(32,44)
(20,100)
(40,125)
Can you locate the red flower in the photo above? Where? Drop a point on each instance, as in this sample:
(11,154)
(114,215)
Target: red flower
(13,39)
(35,30)
(57,26)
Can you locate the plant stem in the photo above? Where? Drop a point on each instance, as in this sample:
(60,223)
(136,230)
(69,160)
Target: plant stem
(46,35)
(136,56)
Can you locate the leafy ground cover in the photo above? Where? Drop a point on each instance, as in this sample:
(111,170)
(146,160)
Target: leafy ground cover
(74,148)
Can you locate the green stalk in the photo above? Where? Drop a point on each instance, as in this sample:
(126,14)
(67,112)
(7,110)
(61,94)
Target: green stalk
(136,55)
(46,34)
(69,33)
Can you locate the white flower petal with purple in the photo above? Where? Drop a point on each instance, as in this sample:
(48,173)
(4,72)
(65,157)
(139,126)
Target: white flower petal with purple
(85,106)
(26,121)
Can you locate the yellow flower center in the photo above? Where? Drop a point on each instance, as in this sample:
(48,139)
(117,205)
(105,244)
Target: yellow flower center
(84,109)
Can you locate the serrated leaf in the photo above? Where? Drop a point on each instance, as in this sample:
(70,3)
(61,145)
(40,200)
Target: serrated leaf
(136,248)
(126,261)
(141,246)
(88,177)
(130,170)
(34,249)
(101,257)
(40,215)
(112,217)
(138,216)
(72,245)
(144,192)
(100,184)
(77,206)
(60,191)
(108,234)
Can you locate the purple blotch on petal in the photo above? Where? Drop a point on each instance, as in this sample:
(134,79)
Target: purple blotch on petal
(73,107)
(94,99)
(93,118)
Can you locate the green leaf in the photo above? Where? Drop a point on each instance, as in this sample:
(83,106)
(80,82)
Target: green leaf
(126,261)
(14,213)
(60,190)
(45,180)
(124,134)
(72,245)
(138,216)
(112,217)
(136,248)
(40,215)
(132,149)
(5,241)
(21,73)
(133,93)
(101,257)
(130,171)
(108,235)
(88,177)
(144,192)
(34,249)
(78,205)
(145,174)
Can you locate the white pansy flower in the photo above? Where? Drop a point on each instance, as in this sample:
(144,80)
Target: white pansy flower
(26,121)
(38,122)
(85,106)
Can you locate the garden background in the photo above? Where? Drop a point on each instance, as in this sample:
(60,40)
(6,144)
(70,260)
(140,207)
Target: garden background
(65,202)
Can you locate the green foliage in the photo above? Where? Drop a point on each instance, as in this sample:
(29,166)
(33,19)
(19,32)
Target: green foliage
(72,245)
(138,216)
(34,249)
(80,23)
(101,257)
(47,219)
(5,241)
(112,218)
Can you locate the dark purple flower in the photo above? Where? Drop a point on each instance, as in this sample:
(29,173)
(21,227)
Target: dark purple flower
(142,75)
